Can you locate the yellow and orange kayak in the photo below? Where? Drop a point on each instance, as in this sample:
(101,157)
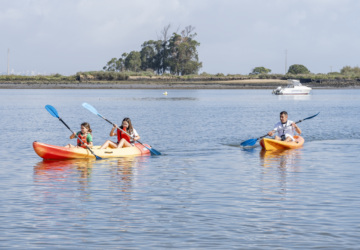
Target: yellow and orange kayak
(271,144)
(52,152)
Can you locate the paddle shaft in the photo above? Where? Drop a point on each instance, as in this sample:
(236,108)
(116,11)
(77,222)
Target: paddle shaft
(79,139)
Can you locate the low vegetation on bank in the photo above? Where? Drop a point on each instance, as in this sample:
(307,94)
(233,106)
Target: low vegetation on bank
(346,73)
(44,78)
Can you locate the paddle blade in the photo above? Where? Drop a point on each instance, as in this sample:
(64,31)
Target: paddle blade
(311,116)
(98,157)
(90,108)
(52,111)
(250,142)
(154,151)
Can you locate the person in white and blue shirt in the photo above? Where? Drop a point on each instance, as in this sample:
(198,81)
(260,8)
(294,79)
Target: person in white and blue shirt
(285,128)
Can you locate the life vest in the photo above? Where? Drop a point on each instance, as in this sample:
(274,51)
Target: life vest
(122,135)
(83,138)
(285,130)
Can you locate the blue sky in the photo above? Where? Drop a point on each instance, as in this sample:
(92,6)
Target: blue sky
(67,36)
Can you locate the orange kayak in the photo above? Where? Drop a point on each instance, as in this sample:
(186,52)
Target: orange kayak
(271,144)
(47,151)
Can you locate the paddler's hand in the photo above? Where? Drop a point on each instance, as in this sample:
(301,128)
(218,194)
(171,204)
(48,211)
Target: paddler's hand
(271,133)
(114,126)
(294,125)
(73,135)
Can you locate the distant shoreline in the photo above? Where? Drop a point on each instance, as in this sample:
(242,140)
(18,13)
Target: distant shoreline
(189,84)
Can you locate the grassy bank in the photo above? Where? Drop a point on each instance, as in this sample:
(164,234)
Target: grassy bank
(128,75)
(39,78)
(100,76)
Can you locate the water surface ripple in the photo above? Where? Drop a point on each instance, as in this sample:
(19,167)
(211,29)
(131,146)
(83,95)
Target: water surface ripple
(204,192)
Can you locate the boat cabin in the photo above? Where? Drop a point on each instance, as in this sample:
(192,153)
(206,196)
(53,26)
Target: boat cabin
(293,83)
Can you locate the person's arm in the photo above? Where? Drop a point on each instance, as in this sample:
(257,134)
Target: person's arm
(72,136)
(112,133)
(297,129)
(136,136)
(89,140)
(272,132)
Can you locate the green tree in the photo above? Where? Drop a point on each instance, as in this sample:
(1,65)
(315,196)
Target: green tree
(111,65)
(183,56)
(133,61)
(151,56)
(298,69)
(260,70)
(116,64)
(348,70)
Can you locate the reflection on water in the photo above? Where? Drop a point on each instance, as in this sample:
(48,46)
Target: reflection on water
(280,169)
(62,182)
(48,170)
(125,171)
(295,97)
(70,181)
(283,159)
(122,169)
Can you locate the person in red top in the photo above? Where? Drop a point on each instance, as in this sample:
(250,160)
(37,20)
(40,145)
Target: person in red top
(84,135)
(123,140)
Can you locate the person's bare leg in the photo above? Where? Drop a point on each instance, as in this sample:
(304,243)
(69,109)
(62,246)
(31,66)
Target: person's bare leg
(124,143)
(277,138)
(69,146)
(107,144)
(288,139)
(113,145)
(127,144)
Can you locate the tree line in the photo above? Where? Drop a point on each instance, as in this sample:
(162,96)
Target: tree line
(296,69)
(174,54)
(293,69)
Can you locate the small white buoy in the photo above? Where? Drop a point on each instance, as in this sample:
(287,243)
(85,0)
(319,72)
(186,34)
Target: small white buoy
(165,93)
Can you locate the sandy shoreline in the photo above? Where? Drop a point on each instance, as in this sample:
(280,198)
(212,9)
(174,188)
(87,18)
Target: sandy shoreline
(139,84)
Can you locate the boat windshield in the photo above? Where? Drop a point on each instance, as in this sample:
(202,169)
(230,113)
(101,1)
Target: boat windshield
(292,83)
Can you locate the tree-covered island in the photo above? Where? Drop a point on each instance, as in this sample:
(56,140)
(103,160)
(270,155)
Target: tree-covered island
(171,55)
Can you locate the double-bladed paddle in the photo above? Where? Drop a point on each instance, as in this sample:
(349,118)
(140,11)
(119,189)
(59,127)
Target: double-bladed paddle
(251,142)
(94,111)
(54,113)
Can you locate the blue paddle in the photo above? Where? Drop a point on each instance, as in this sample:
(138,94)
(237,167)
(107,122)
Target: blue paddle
(251,142)
(54,113)
(94,111)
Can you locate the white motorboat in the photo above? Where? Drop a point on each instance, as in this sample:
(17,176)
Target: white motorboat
(294,87)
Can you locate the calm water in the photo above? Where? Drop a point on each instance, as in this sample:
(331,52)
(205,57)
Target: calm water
(204,192)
